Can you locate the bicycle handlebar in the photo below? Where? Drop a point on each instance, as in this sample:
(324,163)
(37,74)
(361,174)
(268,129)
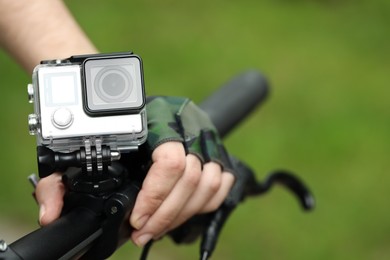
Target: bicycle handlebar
(74,231)
(77,230)
(235,100)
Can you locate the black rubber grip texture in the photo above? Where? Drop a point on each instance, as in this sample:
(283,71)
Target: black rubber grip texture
(235,100)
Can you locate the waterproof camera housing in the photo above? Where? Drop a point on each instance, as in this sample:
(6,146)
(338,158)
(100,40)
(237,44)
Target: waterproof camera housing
(88,98)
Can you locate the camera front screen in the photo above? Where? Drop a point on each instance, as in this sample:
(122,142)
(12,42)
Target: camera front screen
(113,85)
(60,88)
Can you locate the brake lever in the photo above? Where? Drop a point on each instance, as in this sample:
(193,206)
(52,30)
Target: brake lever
(291,182)
(247,185)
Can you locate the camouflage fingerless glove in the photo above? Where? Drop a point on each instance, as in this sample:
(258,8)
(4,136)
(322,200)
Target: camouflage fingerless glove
(179,119)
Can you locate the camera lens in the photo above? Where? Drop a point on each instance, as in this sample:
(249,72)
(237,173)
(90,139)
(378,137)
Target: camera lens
(113,84)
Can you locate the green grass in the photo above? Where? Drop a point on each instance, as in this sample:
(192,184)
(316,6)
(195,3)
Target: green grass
(327,117)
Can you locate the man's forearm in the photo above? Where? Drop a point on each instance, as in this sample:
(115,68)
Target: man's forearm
(32,31)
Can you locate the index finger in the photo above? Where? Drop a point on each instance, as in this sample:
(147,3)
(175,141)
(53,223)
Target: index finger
(167,168)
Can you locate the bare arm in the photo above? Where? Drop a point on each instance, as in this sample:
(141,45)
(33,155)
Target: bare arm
(32,31)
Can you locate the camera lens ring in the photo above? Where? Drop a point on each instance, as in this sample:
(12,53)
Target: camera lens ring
(113,84)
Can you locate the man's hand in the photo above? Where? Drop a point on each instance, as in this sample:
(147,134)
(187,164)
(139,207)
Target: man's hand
(186,177)
(175,188)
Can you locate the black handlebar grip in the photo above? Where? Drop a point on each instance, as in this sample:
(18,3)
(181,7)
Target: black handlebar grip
(62,239)
(235,100)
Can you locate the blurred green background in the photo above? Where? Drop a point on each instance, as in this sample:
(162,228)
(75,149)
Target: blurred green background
(327,117)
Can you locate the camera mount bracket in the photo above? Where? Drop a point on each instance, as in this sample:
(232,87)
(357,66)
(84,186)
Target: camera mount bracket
(88,169)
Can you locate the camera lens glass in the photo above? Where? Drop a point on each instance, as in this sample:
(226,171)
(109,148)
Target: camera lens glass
(113,84)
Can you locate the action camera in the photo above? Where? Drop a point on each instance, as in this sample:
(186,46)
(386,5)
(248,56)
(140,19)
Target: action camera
(88,98)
